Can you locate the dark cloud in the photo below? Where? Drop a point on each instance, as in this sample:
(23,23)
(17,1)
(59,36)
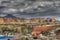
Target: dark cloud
(26,9)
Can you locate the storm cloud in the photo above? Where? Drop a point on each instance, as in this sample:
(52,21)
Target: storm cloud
(30,8)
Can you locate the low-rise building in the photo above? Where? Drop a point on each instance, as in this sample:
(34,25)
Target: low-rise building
(1,20)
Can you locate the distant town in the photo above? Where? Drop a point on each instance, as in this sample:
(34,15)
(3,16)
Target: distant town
(24,26)
(26,20)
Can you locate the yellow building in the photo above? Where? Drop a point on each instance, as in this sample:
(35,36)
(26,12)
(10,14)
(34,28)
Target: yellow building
(1,20)
(53,20)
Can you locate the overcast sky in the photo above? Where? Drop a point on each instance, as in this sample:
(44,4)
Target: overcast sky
(29,8)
